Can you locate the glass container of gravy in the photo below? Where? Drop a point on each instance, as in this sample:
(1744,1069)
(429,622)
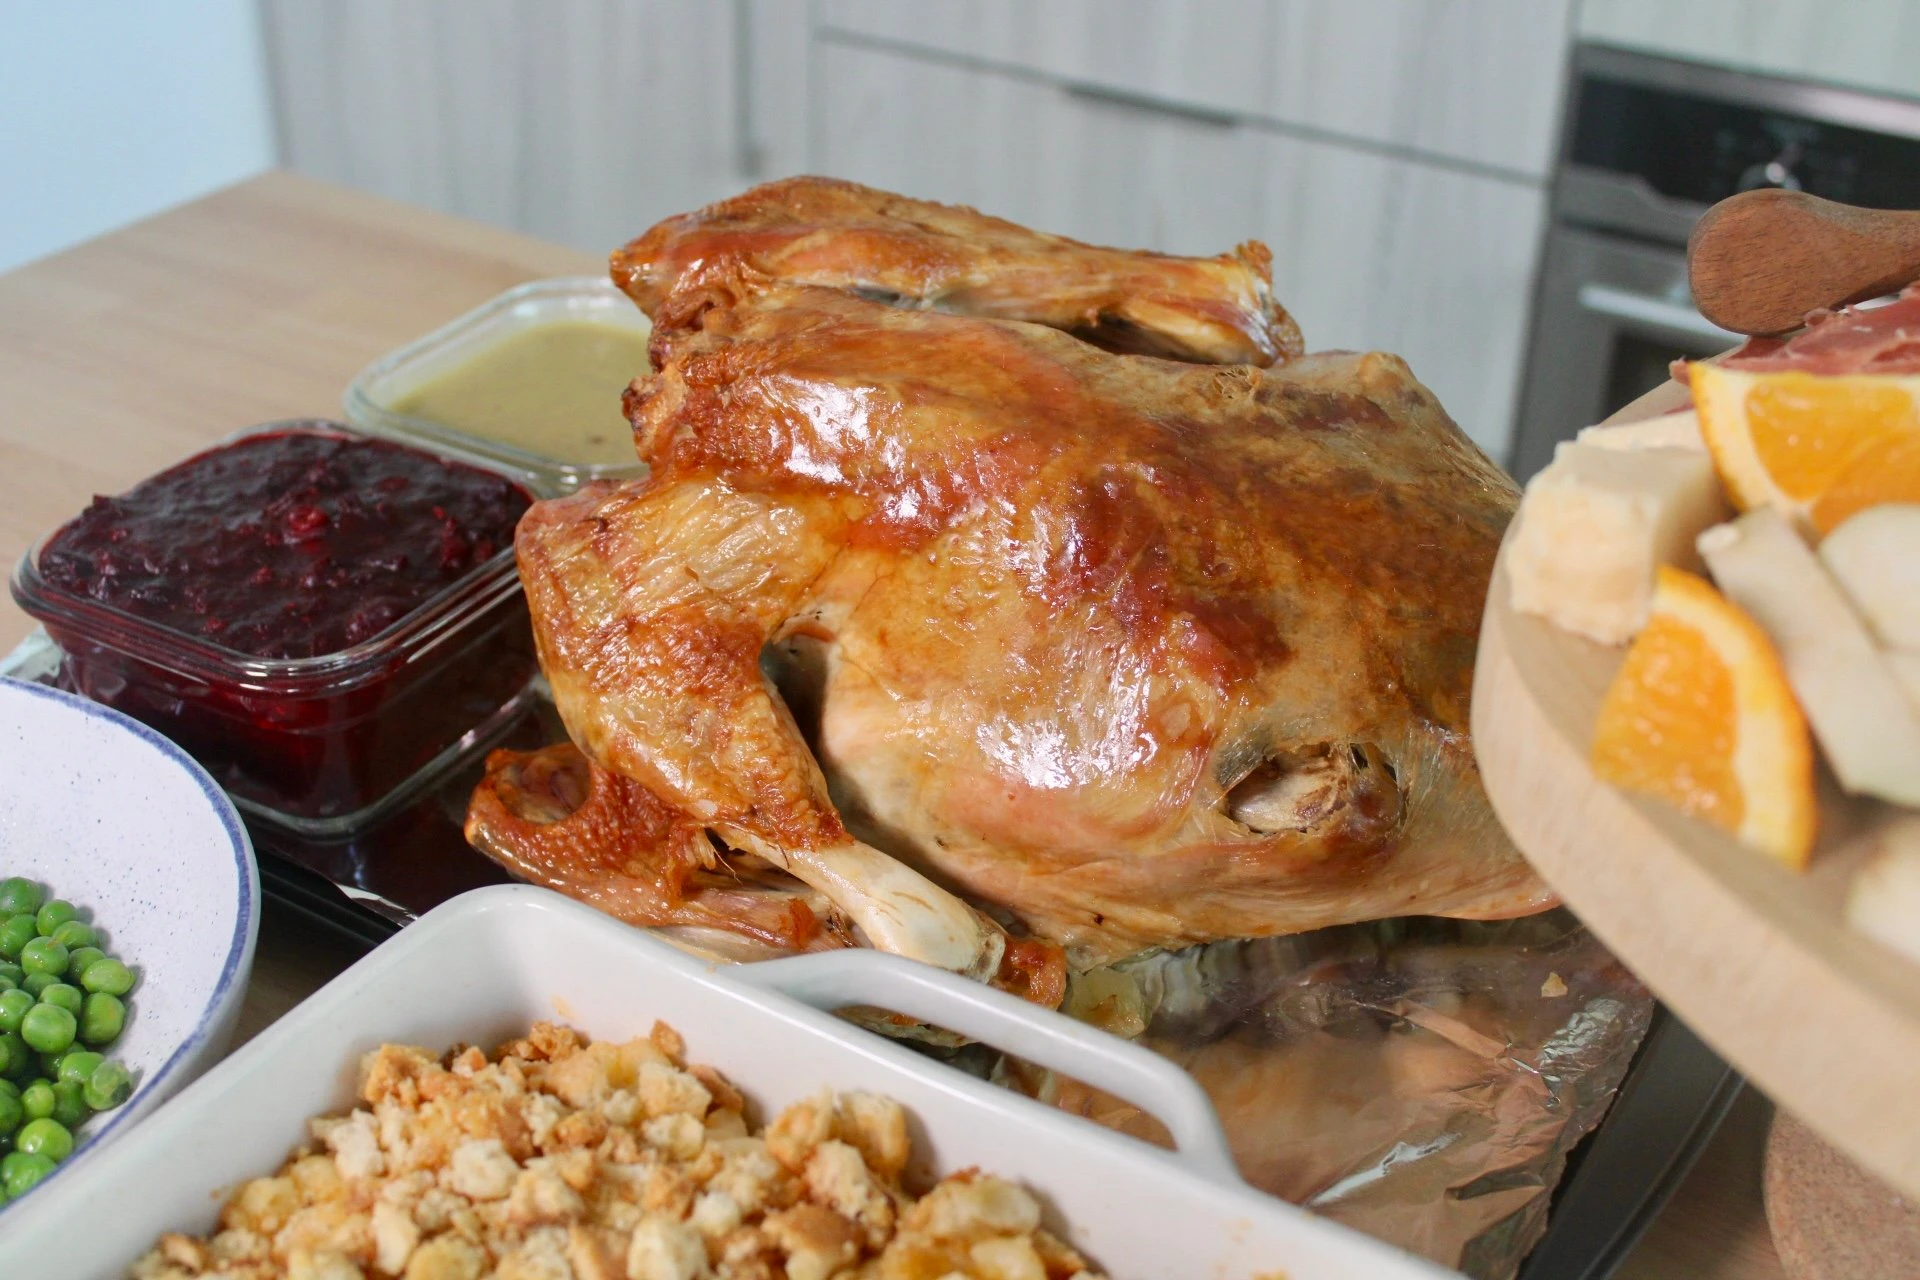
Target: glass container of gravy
(531,380)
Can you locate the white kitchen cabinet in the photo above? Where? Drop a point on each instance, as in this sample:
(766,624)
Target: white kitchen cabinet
(1865,44)
(1477,81)
(1034,153)
(1370,252)
(1138,123)
(584,121)
(1435,265)
(1210,53)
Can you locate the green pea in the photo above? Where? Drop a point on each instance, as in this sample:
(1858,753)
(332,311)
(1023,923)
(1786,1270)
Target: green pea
(16,932)
(67,997)
(18,894)
(37,982)
(44,1137)
(78,958)
(13,1007)
(15,1057)
(48,1066)
(102,1018)
(50,1029)
(9,1088)
(8,969)
(108,976)
(53,915)
(70,1104)
(75,933)
(37,1100)
(77,1065)
(109,1086)
(12,1114)
(43,955)
(21,1172)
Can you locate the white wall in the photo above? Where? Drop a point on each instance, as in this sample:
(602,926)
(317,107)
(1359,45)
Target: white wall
(114,109)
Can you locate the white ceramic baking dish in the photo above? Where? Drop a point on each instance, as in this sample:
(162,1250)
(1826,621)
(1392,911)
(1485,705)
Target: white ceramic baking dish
(484,966)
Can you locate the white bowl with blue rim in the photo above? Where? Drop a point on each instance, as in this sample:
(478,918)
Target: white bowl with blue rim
(109,815)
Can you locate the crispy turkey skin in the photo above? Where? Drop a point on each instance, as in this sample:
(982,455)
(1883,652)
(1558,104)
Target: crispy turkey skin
(918,254)
(1130,652)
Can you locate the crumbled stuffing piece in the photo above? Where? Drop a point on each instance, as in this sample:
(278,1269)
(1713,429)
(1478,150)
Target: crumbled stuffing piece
(560,1159)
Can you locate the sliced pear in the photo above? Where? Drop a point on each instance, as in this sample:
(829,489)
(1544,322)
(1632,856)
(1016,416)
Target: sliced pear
(1876,558)
(1906,669)
(1596,524)
(1668,431)
(1884,900)
(1858,710)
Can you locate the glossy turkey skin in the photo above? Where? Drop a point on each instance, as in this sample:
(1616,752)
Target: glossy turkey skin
(918,254)
(555,818)
(1040,610)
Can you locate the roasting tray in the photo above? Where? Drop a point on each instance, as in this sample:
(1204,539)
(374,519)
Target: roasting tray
(365,886)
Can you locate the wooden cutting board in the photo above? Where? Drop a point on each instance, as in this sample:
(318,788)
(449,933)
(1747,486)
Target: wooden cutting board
(1753,957)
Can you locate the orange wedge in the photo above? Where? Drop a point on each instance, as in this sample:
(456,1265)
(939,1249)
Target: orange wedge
(1816,448)
(1701,716)
(1885,471)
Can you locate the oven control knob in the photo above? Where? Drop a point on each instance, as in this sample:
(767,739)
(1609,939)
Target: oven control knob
(1777,172)
(1791,137)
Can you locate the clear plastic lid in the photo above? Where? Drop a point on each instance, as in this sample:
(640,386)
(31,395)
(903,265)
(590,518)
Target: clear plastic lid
(317,744)
(428,626)
(372,399)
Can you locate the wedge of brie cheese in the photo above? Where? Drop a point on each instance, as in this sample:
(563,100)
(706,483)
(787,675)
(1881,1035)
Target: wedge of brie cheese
(1669,431)
(1596,524)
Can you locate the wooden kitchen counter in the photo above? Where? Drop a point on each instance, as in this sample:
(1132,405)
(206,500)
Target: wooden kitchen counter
(262,302)
(259,302)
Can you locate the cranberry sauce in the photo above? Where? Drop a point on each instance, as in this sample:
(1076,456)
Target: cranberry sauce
(286,544)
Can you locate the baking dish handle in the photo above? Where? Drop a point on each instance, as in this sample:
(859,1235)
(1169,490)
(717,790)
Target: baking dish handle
(838,979)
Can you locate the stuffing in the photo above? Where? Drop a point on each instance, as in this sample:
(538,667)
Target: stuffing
(560,1159)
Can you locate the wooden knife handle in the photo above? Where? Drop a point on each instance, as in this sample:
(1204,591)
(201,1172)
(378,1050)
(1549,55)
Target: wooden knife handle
(1759,261)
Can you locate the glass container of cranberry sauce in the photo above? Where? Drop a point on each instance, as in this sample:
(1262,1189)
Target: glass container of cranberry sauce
(320,618)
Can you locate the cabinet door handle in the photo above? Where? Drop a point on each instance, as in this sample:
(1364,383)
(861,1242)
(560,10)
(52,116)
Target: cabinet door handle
(1130,101)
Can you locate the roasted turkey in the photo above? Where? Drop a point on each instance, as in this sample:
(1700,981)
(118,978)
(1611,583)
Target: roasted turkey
(947,623)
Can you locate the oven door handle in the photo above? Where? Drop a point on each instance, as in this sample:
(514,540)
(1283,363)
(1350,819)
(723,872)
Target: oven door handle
(1668,318)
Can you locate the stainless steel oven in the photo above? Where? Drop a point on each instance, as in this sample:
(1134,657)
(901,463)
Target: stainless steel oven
(1648,144)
